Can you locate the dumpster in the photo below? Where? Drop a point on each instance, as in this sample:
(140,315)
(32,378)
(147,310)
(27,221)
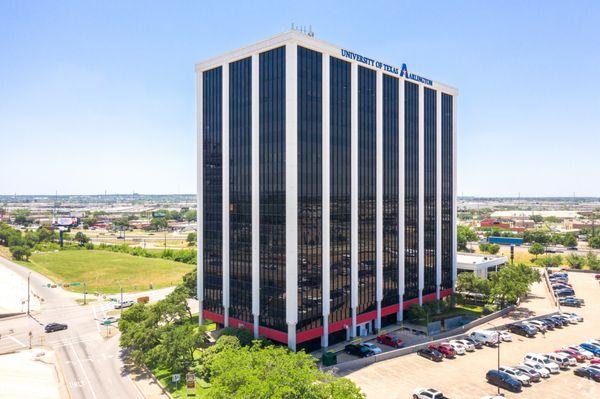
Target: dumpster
(329,358)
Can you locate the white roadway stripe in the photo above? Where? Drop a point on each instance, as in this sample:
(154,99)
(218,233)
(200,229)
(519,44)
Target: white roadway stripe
(17,341)
(65,342)
(83,371)
(96,318)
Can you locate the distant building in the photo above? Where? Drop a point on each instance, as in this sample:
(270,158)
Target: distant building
(479,264)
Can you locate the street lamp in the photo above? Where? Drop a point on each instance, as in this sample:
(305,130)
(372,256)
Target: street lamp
(28,293)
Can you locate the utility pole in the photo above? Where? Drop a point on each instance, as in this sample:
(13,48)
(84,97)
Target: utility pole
(121,307)
(84,293)
(28,293)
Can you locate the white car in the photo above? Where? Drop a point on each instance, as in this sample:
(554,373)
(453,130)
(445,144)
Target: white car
(109,320)
(562,359)
(539,325)
(493,397)
(505,336)
(469,347)
(579,318)
(572,319)
(544,361)
(544,372)
(458,348)
(373,347)
(427,393)
(517,374)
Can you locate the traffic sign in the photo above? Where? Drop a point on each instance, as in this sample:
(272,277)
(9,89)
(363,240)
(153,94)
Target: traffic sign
(74,284)
(175,378)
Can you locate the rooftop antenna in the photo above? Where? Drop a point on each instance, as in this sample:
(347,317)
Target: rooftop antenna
(310,31)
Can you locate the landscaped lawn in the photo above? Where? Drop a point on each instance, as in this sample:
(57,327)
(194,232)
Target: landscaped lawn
(105,271)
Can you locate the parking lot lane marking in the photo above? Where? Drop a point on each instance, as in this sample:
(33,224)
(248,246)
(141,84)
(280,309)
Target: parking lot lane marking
(17,341)
(87,379)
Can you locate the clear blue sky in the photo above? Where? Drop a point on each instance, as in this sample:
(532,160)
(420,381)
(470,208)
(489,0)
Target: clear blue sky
(100,95)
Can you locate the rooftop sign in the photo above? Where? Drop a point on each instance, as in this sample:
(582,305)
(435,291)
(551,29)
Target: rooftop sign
(402,72)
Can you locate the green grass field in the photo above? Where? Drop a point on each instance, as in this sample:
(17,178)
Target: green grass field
(106,272)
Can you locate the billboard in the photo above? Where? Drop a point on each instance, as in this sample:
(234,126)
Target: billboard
(65,221)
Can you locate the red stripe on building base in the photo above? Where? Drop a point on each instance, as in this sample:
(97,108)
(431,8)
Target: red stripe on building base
(309,334)
(217,318)
(388,310)
(272,334)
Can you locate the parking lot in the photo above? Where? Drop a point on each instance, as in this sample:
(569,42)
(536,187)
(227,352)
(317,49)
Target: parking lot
(464,376)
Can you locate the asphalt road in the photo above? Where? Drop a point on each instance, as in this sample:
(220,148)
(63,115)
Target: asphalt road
(92,365)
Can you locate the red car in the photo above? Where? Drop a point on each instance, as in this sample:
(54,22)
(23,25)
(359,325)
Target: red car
(578,356)
(444,349)
(390,340)
(597,276)
(595,361)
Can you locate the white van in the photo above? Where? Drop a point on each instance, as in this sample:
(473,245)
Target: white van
(562,360)
(544,361)
(488,337)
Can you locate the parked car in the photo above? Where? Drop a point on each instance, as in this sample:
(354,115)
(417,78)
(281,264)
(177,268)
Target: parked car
(586,353)
(561,359)
(444,349)
(588,372)
(549,324)
(517,374)
(373,347)
(458,348)
(469,347)
(52,327)
(552,322)
(561,319)
(564,292)
(358,350)
(505,336)
(109,320)
(595,350)
(570,302)
(430,354)
(124,304)
(544,372)
(579,358)
(533,374)
(597,276)
(544,361)
(541,326)
(575,315)
(390,340)
(475,342)
(595,361)
(427,393)
(488,337)
(522,329)
(503,380)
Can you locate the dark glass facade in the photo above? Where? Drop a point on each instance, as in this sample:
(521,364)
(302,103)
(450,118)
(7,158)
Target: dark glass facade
(391,190)
(429,211)
(272,188)
(240,194)
(448,246)
(339,135)
(367,111)
(212,152)
(411,190)
(310,136)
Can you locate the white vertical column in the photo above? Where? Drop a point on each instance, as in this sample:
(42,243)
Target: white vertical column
(255,194)
(325,210)
(421,192)
(454,174)
(225,189)
(379,197)
(353,194)
(401,174)
(291,191)
(200,197)
(438,193)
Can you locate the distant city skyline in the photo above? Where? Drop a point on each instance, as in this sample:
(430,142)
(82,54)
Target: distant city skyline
(101,96)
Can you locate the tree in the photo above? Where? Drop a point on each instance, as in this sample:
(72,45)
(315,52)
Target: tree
(469,282)
(244,336)
(192,238)
(512,282)
(592,261)
(569,240)
(537,249)
(575,261)
(21,216)
(594,242)
(20,252)
(537,218)
(81,238)
(550,261)
(464,234)
(415,312)
(158,224)
(46,235)
(176,346)
(263,372)
(533,236)
(489,248)
(190,215)
(122,223)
